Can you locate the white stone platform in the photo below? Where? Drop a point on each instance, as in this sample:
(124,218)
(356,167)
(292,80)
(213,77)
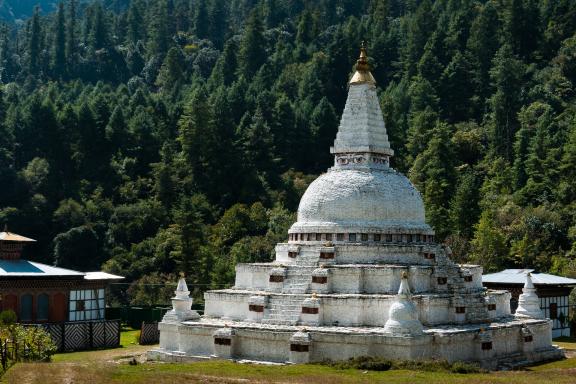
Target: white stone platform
(253,341)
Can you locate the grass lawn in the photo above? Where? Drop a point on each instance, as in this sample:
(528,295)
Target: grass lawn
(111,366)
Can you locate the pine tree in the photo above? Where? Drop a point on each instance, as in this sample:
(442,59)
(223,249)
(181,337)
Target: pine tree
(253,47)
(135,22)
(99,36)
(172,71)
(34,43)
(433,174)
(201,22)
(218,23)
(324,125)
(506,74)
(483,46)
(457,87)
(159,40)
(71,37)
(465,208)
(59,58)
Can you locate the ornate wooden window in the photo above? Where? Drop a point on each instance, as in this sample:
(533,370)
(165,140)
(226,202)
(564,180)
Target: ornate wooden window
(418,238)
(364,237)
(351,237)
(491,307)
(468,278)
(299,348)
(460,309)
(320,279)
(310,310)
(328,237)
(276,278)
(255,308)
(326,255)
(339,237)
(318,236)
(442,280)
(26,307)
(389,238)
(42,309)
(377,237)
(487,345)
(409,238)
(222,341)
(87,304)
(310,236)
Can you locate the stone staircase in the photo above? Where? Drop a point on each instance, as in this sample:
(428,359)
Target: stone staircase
(283,310)
(512,362)
(308,260)
(297,280)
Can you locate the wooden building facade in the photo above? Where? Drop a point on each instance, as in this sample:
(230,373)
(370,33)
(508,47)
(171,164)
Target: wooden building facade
(40,293)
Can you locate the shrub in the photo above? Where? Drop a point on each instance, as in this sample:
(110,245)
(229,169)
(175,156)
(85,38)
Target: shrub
(369,363)
(8,317)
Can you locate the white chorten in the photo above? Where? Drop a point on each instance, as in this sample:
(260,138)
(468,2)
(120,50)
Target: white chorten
(181,304)
(528,301)
(403,315)
(360,241)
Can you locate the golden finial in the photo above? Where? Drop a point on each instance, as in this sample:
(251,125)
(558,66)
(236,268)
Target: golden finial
(362,74)
(362,62)
(182,274)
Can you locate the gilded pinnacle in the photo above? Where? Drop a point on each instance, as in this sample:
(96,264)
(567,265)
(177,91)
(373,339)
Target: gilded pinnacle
(362,74)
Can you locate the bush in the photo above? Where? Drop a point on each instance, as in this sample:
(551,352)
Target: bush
(461,367)
(33,343)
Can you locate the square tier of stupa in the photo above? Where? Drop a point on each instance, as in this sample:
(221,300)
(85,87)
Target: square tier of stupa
(361,275)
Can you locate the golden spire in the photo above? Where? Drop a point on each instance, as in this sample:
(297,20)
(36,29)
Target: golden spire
(362,74)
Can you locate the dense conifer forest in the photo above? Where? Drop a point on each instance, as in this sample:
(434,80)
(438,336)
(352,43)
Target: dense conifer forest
(152,137)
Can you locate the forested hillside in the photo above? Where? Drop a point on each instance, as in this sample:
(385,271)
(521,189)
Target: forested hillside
(177,135)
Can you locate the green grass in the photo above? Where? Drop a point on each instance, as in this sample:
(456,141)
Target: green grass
(568,343)
(129,337)
(105,366)
(128,341)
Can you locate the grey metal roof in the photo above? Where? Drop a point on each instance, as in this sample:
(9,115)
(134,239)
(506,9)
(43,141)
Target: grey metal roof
(518,276)
(101,276)
(26,268)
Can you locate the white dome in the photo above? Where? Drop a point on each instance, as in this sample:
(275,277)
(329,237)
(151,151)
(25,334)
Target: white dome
(345,199)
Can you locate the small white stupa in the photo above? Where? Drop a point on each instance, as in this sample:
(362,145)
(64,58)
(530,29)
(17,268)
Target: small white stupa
(403,315)
(528,302)
(181,304)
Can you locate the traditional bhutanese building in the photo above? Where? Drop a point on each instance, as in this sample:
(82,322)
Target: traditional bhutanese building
(553,292)
(40,293)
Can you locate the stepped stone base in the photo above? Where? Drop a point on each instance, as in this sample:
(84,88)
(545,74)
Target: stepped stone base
(497,345)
